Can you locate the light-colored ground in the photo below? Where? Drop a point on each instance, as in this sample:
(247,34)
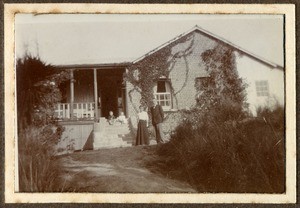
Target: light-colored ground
(119,170)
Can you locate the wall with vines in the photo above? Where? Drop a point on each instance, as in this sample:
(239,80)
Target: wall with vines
(181,63)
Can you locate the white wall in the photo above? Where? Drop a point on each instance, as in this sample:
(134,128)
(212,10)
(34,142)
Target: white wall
(186,69)
(251,70)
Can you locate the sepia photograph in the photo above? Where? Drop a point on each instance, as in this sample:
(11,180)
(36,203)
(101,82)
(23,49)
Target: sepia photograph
(124,103)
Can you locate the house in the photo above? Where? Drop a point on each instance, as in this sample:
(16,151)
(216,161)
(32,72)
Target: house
(94,90)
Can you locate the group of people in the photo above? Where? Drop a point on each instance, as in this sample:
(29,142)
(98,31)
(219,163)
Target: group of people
(142,137)
(112,119)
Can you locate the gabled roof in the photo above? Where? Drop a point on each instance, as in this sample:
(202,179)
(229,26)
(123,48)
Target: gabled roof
(201,30)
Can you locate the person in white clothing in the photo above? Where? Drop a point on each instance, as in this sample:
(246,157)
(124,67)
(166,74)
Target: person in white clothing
(122,119)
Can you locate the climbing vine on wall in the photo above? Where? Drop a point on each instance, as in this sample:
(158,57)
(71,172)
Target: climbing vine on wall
(223,86)
(144,74)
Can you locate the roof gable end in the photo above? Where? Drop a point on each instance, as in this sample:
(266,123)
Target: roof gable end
(217,38)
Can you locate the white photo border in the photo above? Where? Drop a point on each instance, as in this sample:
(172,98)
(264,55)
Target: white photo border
(11,169)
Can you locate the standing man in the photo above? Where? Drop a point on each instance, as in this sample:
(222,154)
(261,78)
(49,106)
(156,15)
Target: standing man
(157,120)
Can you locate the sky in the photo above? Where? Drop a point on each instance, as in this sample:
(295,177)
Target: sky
(60,39)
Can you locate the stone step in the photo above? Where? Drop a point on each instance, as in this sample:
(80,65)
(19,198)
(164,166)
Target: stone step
(117,129)
(108,138)
(127,138)
(112,136)
(105,144)
(111,146)
(113,143)
(108,141)
(116,124)
(119,135)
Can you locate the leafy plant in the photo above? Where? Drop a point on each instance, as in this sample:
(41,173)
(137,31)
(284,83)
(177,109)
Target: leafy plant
(217,147)
(37,166)
(37,91)
(223,86)
(231,156)
(38,131)
(145,73)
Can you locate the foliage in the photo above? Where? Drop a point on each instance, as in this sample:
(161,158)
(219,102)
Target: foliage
(37,166)
(38,132)
(37,91)
(223,84)
(145,73)
(228,156)
(149,71)
(273,116)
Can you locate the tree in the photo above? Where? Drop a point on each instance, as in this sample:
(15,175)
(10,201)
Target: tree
(37,91)
(38,133)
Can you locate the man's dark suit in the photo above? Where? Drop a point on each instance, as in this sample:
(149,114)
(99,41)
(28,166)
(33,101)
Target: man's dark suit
(157,119)
(157,114)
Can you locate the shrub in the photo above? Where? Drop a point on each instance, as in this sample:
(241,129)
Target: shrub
(37,91)
(228,155)
(223,84)
(274,117)
(37,166)
(38,133)
(218,147)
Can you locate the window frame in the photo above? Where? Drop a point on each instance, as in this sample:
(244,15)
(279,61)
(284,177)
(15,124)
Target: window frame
(167,96)
(262,88)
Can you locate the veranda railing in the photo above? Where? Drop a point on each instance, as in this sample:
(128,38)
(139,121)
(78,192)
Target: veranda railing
(80,110)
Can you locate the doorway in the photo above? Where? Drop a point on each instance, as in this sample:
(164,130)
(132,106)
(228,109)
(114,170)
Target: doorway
(110,92)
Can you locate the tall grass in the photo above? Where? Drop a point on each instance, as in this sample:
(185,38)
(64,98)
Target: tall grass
(38,168)
(217,154)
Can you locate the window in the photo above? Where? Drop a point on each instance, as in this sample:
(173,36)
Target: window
(262,88)
(162,93)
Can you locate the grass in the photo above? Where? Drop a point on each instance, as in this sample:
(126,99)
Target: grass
(211,152)
(219,155)
(38,167)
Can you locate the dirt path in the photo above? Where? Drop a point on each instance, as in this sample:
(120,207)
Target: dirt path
(116,170)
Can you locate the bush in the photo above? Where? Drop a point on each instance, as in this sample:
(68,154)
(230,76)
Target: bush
(37,166)
(274,116)
(218,147)
(37,94)
(215,154)
(37,91)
